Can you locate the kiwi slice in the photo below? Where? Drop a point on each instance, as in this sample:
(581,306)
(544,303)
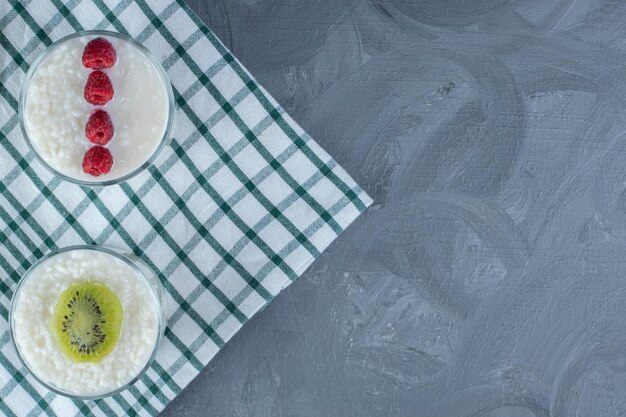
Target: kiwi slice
(86,321)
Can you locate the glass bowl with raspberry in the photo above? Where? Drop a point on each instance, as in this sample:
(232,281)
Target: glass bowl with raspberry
(96,108)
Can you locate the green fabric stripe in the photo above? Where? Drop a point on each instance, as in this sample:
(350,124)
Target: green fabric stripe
(219,341)
(142,401)
(154,387)
(254,140)
(249,184)
(271,109)
(23,237)
(4,393)
(23,382)
(37,410)
(265,270)
(240,224)
(17,58)
(167,238)
(181,302)
(205,81)
(229,211)
(174,246)
(187,353)
(194,295)
(128,207)
(39,32)
(71,217)
(230,259)
(337,207)
(166,378)
(65,10)
(107,409)
(111,16)
(233,115)
(9,17)
(84,408)
(48,241)
(24,213)
(35,239)
(139,252)
(118,398)
(126,237)
(224,207)
(31,45)
(150,29)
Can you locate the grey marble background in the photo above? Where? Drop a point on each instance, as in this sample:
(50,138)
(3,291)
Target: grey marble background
(489,278)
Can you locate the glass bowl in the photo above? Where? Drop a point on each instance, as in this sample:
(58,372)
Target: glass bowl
(170,111)
(143,272)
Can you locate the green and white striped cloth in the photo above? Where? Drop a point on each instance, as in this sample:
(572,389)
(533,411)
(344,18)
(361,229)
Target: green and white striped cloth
(231,213)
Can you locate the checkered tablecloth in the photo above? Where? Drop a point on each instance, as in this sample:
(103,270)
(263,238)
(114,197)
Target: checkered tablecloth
(231,213)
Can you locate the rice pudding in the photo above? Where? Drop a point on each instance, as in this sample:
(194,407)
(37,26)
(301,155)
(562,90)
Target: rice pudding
(55,110)
(85,322)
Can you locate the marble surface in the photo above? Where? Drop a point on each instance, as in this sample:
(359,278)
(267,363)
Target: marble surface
(489,278)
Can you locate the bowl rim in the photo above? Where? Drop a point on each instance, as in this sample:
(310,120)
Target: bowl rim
(157,300)
(160,70)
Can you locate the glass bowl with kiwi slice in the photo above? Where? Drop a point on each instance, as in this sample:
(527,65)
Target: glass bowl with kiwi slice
(87,321)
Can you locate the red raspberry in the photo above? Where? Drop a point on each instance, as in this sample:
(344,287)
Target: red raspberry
(98,54)
(99,128)
(97,161)
(98,90)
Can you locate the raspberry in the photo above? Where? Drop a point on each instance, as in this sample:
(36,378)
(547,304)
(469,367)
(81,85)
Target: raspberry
(98,90)
(97,161)
(99,129)
(99,54)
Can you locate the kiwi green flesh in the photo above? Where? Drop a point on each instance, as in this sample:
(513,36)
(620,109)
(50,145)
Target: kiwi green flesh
(86,321)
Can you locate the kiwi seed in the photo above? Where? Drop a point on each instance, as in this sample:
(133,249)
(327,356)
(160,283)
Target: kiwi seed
(86,321)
